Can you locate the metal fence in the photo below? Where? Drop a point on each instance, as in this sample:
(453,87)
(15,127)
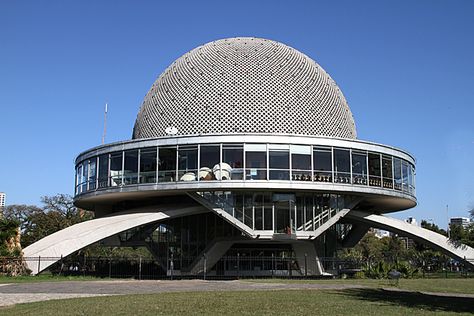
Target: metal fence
(228,267)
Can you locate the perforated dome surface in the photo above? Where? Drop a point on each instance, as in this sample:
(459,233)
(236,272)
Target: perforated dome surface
(244,85)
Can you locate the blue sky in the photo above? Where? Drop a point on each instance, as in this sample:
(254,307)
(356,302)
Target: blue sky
(405,67)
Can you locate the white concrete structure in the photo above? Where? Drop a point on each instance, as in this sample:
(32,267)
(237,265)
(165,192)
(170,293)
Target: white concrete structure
(259,136)
(437,241)
(45,252)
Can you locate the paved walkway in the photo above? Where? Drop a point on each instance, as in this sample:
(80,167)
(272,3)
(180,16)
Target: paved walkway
(32,292)
(15,293)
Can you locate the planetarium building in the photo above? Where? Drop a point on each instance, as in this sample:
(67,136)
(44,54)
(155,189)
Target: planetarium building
(242,147)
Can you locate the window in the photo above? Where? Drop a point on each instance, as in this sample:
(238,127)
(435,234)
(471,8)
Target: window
(210,163)
(115,169)
(233,160)
(92,173)
(405,176)
(248,210)
(359,168)
(309,225)
(130,173)
(321,208)
(167,164)
(148,165)
(387,175)
(397,173)
(412,178)
(342,167)
(187,163)
(300,213)
(267,212)
(301,163)
(239,206)
(279,162)
(78,178)
(85,173)
(103,173)
(322,161)
(374,170)
(256,161)
(258,207)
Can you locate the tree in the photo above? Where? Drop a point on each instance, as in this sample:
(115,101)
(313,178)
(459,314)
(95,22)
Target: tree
(433,227)
(56,213)
(10,248)
(8,231)
(63,204)
(460,235)
(20,213)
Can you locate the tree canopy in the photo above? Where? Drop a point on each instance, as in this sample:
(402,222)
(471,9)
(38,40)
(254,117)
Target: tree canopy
(56,212)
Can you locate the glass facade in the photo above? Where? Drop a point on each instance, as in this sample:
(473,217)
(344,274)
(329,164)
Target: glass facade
(359,168)
(255,161)
(130,172)
(374,170)
(245,162)
(282,213)
(322,161)
(342,166)
(148,163)
(167,164)
(301,162)
(279,162)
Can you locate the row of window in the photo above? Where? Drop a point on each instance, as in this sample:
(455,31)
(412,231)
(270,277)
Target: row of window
(282,213)
(222,162)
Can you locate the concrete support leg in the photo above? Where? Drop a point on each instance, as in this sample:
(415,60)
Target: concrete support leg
(355,235)
(210,256)
(307,258)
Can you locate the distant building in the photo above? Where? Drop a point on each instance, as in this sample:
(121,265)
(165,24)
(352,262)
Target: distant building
(2,203)
(462,221)
(380,233)
(411,220)
(3,198)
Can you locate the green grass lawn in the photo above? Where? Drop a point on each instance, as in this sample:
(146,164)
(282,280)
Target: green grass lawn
(458,285)
(45,278)
(368,301)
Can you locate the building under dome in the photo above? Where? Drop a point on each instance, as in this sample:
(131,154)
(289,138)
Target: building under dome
(243,147)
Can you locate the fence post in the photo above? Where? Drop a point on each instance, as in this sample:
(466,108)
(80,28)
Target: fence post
(306,265)
(238,265)
(464,266)
(171,266)
(110,268)
(39,264)
(205,266)
(273,263)
(140,268)
(288,264)
(83,266)
(62,265)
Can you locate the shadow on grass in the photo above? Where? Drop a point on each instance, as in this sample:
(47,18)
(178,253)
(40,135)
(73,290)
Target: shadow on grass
(413,299)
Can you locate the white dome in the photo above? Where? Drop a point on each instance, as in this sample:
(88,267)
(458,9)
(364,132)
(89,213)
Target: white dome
(244,85)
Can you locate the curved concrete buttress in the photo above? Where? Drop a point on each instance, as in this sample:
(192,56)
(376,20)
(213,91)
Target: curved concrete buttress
(50,249)
(434,240)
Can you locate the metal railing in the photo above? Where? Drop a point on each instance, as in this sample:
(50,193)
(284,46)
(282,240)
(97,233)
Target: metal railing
(228,267)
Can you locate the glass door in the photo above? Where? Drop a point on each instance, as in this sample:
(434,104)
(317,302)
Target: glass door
(284,213)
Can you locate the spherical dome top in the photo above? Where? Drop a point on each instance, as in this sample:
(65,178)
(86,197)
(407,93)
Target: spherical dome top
(244,85)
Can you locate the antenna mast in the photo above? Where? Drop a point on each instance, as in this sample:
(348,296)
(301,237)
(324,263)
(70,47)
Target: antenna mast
(105,124)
